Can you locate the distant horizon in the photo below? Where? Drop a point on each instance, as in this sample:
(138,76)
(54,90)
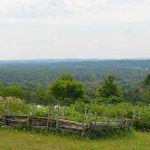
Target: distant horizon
(92,59)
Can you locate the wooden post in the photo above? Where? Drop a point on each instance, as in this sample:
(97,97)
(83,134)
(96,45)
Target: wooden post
(102,117)
(48,119)
(53,110)
(5,113)
(57,122)
(126,124)
(116,118)
(78,126)
(28,119)
(108,120)
(82,123)
(95,119)
(58,108)
(64,110)
(89,118)
(85,111)
(33,110)
(142,107)
(134,114)
(122,117)
(139,115)
(57,117)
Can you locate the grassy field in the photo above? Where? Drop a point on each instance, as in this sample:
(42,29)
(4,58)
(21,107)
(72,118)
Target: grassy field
(19,140)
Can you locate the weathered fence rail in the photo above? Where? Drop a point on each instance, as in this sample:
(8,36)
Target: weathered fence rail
(56,119)
(50,122)
(39,122)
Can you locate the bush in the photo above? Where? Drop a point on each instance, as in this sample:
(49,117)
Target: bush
(143,123)
(14,106)
(109,132)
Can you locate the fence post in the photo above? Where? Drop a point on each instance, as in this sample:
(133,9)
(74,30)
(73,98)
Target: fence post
(143,108)
(5,113)
(48,119)
(58,109)
(64,112)
(139,115)
(108,120)
(57,122)
(116,118)
(89,118)
(95,119)
(53,110)
(134,114)
(85,111)
(122,116)
(78,126)
(82,123)
(102,118)
(28,119)
(33,109)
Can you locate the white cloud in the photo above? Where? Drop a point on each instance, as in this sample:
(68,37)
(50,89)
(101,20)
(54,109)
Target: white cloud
(74,28)
(52,8)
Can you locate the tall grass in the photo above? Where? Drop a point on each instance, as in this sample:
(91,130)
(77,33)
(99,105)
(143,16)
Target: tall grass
(19,140)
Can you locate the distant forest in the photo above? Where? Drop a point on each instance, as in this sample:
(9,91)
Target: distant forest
(33,74)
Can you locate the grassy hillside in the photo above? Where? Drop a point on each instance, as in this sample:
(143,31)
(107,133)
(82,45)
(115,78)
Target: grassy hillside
(16,140)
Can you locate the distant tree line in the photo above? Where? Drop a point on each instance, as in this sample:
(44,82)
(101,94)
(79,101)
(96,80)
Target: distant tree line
(66,90)
(34,74)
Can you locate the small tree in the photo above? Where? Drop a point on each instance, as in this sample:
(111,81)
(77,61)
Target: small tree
(145,90)
(41,95)
(109,90)
(14,91)
(64,88)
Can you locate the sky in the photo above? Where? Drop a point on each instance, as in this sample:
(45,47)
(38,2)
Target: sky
(53,29)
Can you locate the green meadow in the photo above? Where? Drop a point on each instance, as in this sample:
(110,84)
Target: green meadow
(20,140)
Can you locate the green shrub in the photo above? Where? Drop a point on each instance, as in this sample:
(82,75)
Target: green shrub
(143,123)
(108,132)
(14,106)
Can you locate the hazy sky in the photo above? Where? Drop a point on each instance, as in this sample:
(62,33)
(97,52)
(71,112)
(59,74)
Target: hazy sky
(31,29)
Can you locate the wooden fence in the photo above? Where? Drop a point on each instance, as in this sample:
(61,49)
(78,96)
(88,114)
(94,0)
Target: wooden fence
(53,120)
(58,124)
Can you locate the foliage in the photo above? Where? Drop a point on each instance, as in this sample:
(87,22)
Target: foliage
(109,90)
(132,94)
(13,90)
(65,88)
(146,89)
(41,111)
(74,112)
(33,74)
(42,95)
(109,132)
(146,81)
(143,123)
(13,106)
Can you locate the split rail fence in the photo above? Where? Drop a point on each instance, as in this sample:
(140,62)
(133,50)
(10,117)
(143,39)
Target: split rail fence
(54,121)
